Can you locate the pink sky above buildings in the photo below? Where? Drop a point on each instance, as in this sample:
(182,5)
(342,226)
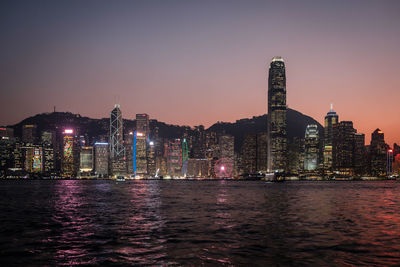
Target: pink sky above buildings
(191,63)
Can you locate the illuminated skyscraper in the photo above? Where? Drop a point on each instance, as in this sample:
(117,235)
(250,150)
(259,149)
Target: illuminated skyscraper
(34,159)
(29,133)
(331,119)
(262,152)
(378,153)
(142,124)
(343,147)
(151,158)
(174,158)
(359,154)
(86,160)
(249,154)
(117,150)
(101,159)
(69,163)
(277,141)
(311,142)
(139,153)
(226,147)
(185,157)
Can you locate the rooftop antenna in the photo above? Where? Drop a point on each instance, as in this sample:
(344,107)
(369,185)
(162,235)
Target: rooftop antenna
(331,107)
(54,109)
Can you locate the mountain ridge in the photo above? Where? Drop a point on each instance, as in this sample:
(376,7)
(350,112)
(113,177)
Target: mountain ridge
(296,125)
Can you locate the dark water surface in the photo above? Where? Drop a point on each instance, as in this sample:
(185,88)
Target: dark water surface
(199,223)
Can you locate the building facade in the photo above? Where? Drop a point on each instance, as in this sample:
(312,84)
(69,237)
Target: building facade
(277,141)
(331,119)
(311,148)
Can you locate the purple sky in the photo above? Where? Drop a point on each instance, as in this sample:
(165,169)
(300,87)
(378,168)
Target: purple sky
(198,62)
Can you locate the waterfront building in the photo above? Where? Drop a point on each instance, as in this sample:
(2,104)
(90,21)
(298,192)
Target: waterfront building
(139,154)
(199,148)
(174,158)
(343,148)
(18,156)
(197,168)
(359,154)
(117,150)
(311,148)
(227,148)
(29,133)
(69,162)
(86,160)
(142,124)
(101,155)
(34,159)
(49,161)
(128,143)
(277,141)
(6,154)
(249,154)
(377,154)
(262,152)
(151,158)
(331,119)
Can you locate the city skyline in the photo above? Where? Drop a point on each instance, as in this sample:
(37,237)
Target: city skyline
(224,67)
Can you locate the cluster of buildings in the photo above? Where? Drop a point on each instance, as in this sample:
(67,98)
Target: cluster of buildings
(136,152)
(140,152)
(337,151)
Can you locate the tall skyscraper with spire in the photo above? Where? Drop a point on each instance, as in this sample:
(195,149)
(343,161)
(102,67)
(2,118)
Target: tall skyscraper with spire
(277,141)
(117,150)
(331,119)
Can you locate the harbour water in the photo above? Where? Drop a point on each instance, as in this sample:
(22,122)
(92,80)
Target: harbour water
(157,222)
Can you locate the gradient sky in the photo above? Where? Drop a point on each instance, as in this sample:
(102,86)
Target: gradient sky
(198,62)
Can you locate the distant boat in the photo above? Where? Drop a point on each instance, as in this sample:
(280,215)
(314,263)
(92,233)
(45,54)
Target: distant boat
(276,176)
(120,179)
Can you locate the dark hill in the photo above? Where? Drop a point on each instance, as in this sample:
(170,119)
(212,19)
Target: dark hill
(296,126)
(296,121)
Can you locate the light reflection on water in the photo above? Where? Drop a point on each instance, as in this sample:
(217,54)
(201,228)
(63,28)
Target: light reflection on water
(199,222)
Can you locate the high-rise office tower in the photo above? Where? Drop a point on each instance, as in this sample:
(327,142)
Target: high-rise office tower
(378,153)
(277,141)
(331,119)
(142,124)
(139,153)
(34,158)
(69,162)
(47,138)
(86,160)
(174,158)
(343,147)
(49,160)
(227,147)
(29,133)
(117,150)
(151,158)
(6,154)
(262,152)
(359,154)
(249,154)
(101,153)
(311,147)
